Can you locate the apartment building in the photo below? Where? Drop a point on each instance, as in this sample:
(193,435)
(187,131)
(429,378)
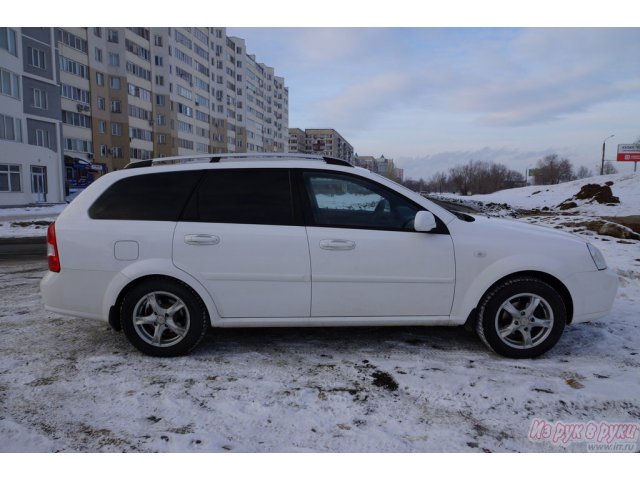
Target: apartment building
(31,168)
(321,141)
(381,165)
(99,97)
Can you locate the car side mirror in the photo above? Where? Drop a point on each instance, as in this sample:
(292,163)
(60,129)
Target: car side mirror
(424,221)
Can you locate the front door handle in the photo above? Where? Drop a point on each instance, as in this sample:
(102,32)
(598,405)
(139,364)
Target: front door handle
(337,244)
(201,239)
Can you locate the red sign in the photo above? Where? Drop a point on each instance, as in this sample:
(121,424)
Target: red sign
(629,157)
(629,152)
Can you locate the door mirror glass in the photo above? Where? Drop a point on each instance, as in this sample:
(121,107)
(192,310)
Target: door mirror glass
(424,221)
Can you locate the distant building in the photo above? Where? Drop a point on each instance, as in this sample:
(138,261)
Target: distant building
(383,166)
(31,167)
(320,141)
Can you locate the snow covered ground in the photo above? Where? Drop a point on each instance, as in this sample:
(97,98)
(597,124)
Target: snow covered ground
(74,385)
(29,221)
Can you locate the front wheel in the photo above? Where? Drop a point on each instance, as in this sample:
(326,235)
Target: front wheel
(163,317)
(521,318)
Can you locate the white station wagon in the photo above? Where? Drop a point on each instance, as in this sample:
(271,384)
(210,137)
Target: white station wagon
(183,243)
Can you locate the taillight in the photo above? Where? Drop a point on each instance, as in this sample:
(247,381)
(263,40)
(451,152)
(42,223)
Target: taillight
(52,249)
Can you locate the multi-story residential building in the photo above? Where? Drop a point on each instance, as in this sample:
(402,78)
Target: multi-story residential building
(297,140)
(31,168)
(99,97)
(381,165)
(321,141)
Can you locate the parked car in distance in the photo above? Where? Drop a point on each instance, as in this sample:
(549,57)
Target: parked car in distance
(180,244)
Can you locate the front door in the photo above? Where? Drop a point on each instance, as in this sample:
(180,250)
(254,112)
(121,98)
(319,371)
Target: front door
(38,184)
(366,259)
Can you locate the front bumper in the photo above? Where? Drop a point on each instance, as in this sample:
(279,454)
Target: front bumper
(593,294)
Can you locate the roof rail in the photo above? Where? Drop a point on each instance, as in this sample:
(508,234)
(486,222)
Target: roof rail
(225,157)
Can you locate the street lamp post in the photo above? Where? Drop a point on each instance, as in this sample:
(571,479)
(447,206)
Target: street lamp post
(602,165)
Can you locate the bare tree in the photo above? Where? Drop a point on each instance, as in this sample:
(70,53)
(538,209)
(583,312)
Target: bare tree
(552,169)
(584,172)
(609,168)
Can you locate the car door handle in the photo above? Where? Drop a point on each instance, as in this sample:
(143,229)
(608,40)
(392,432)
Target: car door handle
(336,244)
(201,239)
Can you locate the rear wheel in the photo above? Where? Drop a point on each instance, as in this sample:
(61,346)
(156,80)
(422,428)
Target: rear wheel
(163,317)
(521,318)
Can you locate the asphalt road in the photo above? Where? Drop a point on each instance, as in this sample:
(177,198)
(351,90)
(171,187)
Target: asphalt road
(23,247)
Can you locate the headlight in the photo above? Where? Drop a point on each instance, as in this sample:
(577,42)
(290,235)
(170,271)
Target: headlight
(597,256)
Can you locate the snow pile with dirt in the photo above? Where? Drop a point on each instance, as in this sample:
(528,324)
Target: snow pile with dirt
(75,385)
(625,186)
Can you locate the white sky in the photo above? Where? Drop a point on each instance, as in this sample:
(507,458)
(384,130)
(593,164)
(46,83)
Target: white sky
(432,97)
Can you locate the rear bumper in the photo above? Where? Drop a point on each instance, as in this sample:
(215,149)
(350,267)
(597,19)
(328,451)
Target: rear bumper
(76,293)
(593,294)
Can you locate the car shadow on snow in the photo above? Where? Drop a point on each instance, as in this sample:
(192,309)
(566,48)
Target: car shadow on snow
(385,340)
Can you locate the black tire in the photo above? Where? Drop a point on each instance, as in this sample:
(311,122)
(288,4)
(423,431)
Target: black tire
(536,322)
(172,319)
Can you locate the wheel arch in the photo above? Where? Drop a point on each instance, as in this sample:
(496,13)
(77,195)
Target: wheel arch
(554,282)
(119,293)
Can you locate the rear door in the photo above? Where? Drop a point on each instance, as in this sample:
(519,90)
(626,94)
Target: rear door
(243,238)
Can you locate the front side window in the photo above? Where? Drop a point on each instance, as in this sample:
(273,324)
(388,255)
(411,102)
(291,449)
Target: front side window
(345,201)
(261,197)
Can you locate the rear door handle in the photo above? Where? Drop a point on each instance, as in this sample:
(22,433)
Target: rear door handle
(337,244)
(201,239)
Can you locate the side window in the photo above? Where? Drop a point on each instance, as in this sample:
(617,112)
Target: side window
(344,201)
(249,196)
(154,196)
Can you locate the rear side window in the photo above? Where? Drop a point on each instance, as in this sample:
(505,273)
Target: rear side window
(154,196)
(260,197)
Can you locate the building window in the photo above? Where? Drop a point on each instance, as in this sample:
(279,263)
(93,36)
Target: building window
(103,150)
(159,80)
(8,41)
(10,178)
(36,58)
(102,126)
(97,31)
(112,35)
(10,128)
(160,119)
(114,83)
(71,66)
(78,145)
(39,99)
(42,138)
(157,40)
(98,55)
(76,119)
(9,83)
(102,103)
(100,79)
(71,40)
(116,152)
(160,100)
(75,93)
(114,59)
(158,60)
(162,139)
(116,129)
(115,106)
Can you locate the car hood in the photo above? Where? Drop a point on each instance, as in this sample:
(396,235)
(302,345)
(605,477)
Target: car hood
(516,228)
